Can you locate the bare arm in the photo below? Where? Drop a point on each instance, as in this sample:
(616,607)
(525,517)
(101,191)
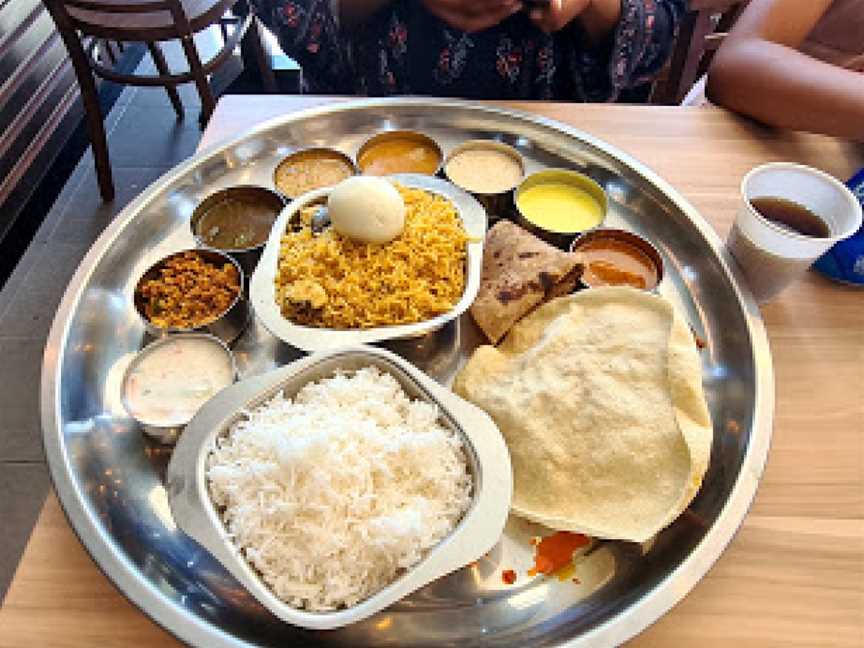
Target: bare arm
(758,71)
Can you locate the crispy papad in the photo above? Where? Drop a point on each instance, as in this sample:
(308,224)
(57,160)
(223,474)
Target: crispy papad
(519,272)
(599,397)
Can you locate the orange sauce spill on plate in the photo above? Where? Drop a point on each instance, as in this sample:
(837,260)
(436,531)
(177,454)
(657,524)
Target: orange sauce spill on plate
(556,552)
(566,572)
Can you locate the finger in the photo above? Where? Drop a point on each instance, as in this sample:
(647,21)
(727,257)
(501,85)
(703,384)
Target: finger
(541,19)
(496,15)
(555,15)
(514,6)
(511,8)
(550,18)
(490,19)
(476,9)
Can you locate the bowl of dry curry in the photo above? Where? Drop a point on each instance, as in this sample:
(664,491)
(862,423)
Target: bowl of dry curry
(193,290)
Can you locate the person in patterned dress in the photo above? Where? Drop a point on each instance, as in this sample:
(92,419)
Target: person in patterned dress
(578,50)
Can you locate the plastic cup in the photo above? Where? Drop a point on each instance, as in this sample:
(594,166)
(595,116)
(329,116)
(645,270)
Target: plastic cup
(772,256)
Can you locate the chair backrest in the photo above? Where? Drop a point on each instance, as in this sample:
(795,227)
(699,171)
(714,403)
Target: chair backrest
(85,14)
(701,31)
(118,6)
(725,19)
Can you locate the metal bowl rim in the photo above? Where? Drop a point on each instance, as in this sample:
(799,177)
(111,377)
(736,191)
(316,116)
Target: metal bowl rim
(632,238)
(150,348)
(394,133)
(196,216)
(568,172)
(355,170)
(494,145)
(158,331)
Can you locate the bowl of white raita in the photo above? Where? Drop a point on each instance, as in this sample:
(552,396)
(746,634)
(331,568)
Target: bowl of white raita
(334,486)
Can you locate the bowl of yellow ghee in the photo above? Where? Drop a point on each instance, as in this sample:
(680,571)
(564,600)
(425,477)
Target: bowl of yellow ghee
(558,204)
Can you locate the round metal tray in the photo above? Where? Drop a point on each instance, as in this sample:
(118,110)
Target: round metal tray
(110,477)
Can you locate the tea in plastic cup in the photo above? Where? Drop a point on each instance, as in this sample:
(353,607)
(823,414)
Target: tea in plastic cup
(790,215)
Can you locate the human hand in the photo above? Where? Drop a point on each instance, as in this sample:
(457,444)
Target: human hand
(555,14)
(473,15)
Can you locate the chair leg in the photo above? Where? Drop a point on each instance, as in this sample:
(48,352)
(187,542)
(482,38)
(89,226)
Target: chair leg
(95,125)
(208,104)
(105,46)
(702,26)
(683,42)
(162,67)
(253,37)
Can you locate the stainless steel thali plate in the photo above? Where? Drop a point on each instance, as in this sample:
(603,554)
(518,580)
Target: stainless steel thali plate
(110,478)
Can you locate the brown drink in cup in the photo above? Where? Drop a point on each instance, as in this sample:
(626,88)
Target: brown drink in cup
(791,214)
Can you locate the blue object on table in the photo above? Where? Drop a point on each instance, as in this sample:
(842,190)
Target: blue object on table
(845,260)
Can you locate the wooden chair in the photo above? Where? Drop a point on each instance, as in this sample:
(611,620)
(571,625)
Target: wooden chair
(85,25)
(701,31)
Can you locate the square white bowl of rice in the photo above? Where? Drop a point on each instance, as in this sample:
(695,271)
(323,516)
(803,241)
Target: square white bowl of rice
(334,486)
(263,287)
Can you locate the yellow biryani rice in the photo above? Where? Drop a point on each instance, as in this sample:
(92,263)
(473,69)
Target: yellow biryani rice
(331,281)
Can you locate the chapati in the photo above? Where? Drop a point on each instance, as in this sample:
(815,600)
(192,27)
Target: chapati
(519,272)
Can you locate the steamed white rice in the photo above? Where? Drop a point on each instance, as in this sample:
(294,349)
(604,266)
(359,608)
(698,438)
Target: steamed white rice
(332,495)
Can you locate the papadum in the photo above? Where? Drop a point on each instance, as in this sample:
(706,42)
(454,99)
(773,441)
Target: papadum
(599,397)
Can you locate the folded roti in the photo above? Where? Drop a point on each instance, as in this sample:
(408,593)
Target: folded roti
(519,272)
(599,397)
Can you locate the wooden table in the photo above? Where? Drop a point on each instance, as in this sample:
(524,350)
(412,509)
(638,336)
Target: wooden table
(794,575)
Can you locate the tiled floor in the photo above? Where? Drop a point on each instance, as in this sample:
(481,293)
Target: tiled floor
(145,140)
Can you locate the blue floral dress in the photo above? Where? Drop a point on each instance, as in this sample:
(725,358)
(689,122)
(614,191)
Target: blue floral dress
(404,49)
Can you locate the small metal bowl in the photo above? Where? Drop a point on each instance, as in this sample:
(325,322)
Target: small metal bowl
(629,239)
(308,152)
(227,326)
(566,176)
(409,135)
(266,199)
(500,204)
(164,431)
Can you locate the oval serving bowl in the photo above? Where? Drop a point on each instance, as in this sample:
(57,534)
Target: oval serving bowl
(475,534)
(262,287)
